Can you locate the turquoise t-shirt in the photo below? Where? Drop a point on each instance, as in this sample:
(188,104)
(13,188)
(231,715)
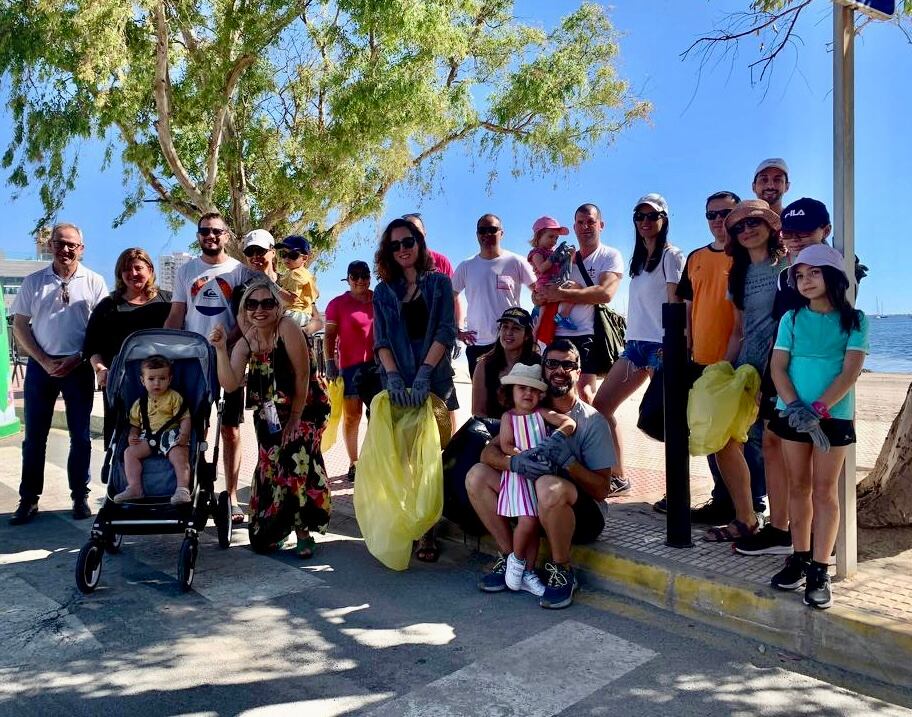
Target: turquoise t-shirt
(818,345)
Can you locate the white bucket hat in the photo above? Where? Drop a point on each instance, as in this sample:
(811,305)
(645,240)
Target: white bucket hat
(524,375)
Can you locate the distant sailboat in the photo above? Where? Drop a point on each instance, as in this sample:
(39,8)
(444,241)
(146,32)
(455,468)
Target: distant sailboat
(879,314)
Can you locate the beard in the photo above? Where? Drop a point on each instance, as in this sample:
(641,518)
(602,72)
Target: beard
(211,251)
(558,391)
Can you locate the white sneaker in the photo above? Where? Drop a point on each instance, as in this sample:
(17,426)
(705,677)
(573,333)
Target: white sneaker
(515,569)
(531,583)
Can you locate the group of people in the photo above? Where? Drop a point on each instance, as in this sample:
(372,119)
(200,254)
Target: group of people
(767,291)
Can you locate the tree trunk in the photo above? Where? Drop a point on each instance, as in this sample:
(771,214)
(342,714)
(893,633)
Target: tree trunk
(885,495)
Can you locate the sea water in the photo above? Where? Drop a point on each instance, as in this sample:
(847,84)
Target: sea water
(890,339)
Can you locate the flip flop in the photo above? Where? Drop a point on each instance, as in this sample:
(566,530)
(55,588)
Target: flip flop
(237,514)
(428,551)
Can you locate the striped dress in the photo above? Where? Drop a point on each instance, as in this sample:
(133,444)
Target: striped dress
(517,494)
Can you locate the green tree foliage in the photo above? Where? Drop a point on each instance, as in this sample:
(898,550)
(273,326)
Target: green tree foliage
(301,114)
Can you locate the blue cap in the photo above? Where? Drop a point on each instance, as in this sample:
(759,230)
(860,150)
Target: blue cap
(295,243)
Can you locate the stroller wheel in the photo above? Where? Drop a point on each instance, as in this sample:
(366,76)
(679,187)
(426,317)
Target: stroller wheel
(88,566)
(112,546)
(186,563)
(223,523)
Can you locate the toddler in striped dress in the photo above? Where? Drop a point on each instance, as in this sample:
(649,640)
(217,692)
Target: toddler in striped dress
(523,427)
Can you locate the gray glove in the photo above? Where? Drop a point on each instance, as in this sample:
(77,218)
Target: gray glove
(800,416)
(555,449)
(396,387)
(530,465)
(421,386)
(820,439)
(332,371)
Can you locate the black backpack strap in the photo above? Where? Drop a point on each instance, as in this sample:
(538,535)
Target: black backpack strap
(582,269)
(144,414)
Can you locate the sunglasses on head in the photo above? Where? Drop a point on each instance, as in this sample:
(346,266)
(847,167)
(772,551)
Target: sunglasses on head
(214,231)
(487,230)
(255,251)
(717,213)
(289,254)
(744,223)
(359,275)
(267,304)
(406,243)
(65,293)
(651,216)
(567,365)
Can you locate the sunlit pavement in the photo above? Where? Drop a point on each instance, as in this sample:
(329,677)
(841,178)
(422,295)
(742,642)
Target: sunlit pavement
(340,634)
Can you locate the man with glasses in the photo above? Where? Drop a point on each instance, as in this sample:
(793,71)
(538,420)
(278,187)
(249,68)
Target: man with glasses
(572,479)
(492,281)
(201,301)
(605,268)
(50,315)
(771,182)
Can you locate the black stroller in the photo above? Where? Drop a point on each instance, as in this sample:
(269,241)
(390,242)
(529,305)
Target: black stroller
(195,378)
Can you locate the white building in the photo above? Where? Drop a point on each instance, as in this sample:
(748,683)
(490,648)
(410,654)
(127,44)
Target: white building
(168,265)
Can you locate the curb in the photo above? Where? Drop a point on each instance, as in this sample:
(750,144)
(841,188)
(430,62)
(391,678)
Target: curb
(59,420)
(853,640)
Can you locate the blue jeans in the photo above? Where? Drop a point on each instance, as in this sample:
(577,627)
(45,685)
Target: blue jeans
(753,454)
(41,392)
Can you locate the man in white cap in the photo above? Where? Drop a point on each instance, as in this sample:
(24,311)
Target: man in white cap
(771,182)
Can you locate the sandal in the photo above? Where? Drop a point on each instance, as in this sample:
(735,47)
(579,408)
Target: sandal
(428,550)
(725,534)
(306,547)
(237,514)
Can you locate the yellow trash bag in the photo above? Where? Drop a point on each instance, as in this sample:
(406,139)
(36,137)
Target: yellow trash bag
(336,393)
(399,491)
(722,405)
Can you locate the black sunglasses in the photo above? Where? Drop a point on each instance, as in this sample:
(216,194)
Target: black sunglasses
(214,231)
(651,216)
(255,251)
(254,304)
(65,293)
(290,254)
(359,275)
(487,230)
(744,223)
(406,243)
(717,213)
(567,365)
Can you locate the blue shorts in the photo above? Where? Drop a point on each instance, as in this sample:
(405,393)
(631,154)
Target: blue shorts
(643,354)
(351,378)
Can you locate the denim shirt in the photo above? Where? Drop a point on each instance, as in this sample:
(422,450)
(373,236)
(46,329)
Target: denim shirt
(390,333)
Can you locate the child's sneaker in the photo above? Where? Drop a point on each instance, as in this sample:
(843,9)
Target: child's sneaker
(565,322)
(515,569)
(817,590)
(792,576)
(128,495)
(531,583)
(181,496)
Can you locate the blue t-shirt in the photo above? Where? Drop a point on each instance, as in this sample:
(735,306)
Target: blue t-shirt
(818,345)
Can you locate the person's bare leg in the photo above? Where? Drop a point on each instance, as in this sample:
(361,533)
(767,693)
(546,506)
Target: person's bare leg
(825,500)
(483,486)
(777,480)
(556,497)
(736,476)
(179,457)
(231,459)
(621,382)
(798,460)
(351,422)
(133,458)
(526,539)
(586,387)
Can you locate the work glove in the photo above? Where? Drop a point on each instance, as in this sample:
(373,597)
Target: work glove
(396,387)
(558,254)
(531,465)
(421,386)
(332,371)
(556,450)
(805,419)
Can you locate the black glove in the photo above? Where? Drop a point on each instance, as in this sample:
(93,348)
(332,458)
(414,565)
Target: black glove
(530,465)
(421,386)
(332,371)
(396,386)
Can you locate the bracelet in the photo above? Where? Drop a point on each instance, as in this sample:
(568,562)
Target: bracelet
(822,409)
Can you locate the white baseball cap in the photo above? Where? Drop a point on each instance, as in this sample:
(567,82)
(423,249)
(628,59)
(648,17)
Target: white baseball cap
(260,238)
(773,163)
(656,201)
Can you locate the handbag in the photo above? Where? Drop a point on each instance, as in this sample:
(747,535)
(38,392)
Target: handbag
(609,329)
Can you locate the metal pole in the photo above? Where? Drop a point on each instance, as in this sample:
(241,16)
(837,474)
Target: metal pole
(677,455)
(844,241)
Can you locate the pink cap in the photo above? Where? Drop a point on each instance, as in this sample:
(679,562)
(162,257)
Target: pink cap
(549,223)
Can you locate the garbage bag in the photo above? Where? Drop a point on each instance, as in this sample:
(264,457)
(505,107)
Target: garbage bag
(722,405)
(463,452)
(399,491)
(336,393)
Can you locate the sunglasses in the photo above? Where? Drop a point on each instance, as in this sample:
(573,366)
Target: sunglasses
(717,213)
(289,254)
(65,293)
(254,304)
(554,364)
(487,230)
(743,224)
(255,251)
(651,216)
(214,231)
(406,243)
(360,276)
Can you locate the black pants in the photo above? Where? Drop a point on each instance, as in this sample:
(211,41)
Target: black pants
(472,354)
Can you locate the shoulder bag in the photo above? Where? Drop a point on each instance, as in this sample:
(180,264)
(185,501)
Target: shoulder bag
(608,332)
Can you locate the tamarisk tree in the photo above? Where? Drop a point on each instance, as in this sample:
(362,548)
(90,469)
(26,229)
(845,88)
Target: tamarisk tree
(299,114)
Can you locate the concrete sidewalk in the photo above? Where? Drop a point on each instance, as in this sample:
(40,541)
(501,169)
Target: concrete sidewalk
(869,629)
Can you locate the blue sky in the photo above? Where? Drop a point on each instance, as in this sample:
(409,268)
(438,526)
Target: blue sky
(708,132)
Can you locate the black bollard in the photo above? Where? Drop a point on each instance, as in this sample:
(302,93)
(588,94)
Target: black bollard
(677,456)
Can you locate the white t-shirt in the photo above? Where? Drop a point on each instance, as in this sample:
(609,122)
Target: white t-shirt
(603,260)
(648,292)
(59,327)
(491,286)
(206,290)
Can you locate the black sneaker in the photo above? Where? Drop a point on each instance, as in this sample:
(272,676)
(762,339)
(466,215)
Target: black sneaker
(619,486)
(661,506)
(792,576)
(767,541)
(24,513)
(81,509)
(351,473)
(711,513)
(559,588)
(494,579)
(817,590)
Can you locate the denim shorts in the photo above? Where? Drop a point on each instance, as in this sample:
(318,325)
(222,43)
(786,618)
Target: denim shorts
(643,354)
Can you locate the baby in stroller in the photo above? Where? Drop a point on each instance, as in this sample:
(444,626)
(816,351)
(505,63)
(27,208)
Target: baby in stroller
(159,423)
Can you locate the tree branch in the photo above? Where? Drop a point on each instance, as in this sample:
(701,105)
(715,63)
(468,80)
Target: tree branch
(218,123)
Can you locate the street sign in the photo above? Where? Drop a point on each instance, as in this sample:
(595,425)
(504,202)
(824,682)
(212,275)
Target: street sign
(877,9)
